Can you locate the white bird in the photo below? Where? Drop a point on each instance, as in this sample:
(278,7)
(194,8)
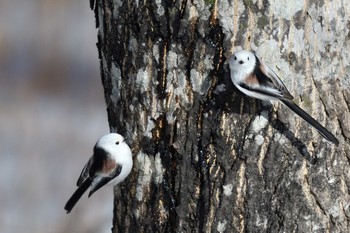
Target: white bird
(257,80)
(110,163)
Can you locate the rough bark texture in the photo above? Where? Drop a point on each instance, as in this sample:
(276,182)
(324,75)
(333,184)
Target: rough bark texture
(207,158)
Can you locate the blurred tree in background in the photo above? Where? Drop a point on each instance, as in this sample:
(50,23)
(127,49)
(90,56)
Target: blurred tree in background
(52,111)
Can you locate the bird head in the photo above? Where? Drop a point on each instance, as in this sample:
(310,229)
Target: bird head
(243,61)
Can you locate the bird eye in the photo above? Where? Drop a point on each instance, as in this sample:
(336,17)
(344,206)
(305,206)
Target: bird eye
(235,58)
(117,143)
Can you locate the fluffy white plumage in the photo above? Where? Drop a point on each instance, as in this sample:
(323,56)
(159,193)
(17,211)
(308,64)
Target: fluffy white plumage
(110,163)
(255,79)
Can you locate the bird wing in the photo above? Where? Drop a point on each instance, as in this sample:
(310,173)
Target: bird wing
(100,168)
(85,172)
(97,163)
(263,91)
(271,80)
(100,181)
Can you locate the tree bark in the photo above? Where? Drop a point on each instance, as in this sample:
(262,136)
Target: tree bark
(206,157)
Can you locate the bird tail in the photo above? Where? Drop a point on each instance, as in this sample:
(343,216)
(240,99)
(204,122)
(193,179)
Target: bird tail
(77,195)
(322,130)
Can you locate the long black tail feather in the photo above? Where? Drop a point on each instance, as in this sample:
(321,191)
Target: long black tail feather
(77,195)
(322,130)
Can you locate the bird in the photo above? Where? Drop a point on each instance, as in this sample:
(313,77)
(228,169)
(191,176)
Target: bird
(257,80)
(110,163)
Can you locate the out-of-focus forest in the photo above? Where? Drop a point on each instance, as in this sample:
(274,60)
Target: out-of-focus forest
(52,111)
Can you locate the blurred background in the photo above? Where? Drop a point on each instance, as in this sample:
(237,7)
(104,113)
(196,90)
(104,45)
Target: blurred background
(52,111)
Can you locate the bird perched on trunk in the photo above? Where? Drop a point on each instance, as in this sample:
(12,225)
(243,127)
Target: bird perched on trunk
(110,163)
(257,80)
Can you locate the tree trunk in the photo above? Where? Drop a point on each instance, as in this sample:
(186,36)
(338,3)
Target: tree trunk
(206,157)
